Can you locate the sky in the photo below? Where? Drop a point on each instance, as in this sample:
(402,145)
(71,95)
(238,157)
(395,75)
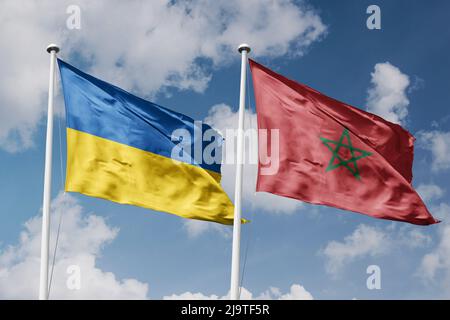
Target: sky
(182,55)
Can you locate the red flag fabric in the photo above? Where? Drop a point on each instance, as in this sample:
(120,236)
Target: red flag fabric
(331,153)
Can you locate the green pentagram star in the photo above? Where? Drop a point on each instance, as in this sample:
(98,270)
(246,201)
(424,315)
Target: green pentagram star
(347,163)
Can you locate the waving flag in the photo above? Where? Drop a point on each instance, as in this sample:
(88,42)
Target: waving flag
(125,149)
(333,154)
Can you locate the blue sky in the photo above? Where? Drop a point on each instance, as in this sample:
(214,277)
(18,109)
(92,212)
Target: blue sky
(193,67)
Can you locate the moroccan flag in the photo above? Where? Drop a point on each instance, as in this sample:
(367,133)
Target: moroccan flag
(331,153)
(126,149)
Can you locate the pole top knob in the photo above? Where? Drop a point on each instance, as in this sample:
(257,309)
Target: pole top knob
(244,47)
(52,47)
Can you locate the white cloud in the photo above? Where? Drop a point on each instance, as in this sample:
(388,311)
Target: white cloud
(144,46)
(387,95)
(430,192)
(367,241)
(441,211)
(195,228)
(81,241)
(412,238)
(25,31)
(191,296)
(296,292)
(435,266)
(364,241)
(437,142)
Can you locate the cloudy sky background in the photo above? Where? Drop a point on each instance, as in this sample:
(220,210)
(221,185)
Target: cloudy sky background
(183,55)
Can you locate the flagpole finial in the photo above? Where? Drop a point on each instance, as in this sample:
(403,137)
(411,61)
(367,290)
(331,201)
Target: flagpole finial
(52,47)
(244,47)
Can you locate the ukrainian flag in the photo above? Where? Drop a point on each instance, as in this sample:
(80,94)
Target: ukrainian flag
(123,148)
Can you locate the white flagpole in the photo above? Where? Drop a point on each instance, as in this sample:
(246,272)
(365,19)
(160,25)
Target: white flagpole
(244,49)
(43,280)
